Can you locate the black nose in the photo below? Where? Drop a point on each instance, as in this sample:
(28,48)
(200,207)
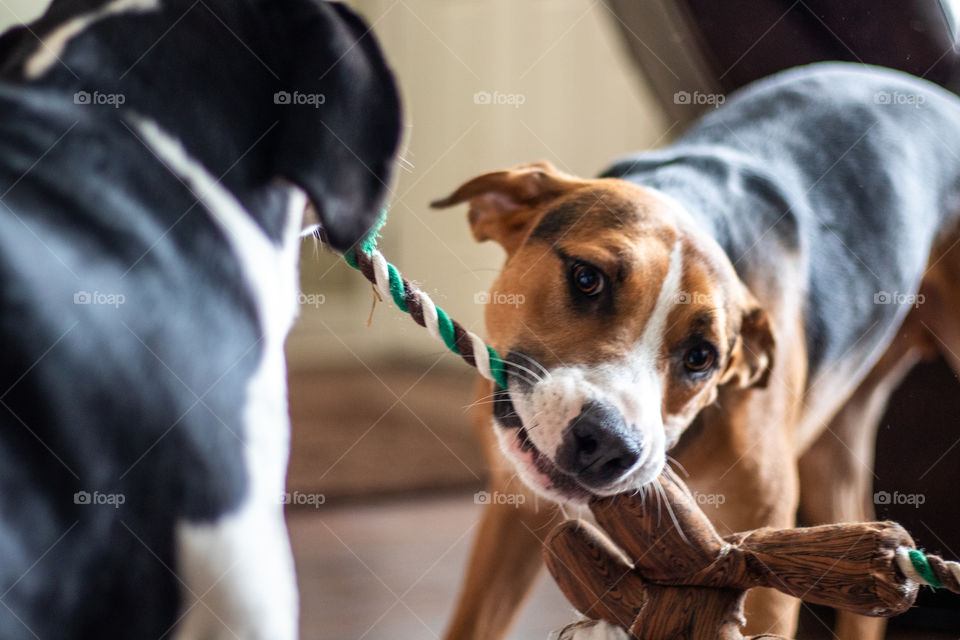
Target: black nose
(597,447)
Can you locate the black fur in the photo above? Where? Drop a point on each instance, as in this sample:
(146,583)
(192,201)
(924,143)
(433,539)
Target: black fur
(143,399)
(561,219)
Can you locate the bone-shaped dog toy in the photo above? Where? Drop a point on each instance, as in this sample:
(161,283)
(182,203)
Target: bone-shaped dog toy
(673,577)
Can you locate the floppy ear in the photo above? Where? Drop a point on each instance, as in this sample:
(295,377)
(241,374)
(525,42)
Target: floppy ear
(503,204)
(339,142)
(753,355)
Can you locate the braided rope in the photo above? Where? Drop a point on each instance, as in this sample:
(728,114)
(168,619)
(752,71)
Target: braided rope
(930,570)
(390,284)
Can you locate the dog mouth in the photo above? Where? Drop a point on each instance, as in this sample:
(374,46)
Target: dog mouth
(535,467)
(556,480)
(587,427)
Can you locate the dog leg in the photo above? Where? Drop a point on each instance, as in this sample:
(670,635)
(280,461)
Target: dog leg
(506,555)
(504,562)
(836,472)
(763,500)
(237,571)
(238,578)
(836,482)
(765,496)
(750,496)
(743,475)
(939,303)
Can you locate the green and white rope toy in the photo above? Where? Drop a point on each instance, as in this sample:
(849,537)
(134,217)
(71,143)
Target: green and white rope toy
(390,284)
(917,566)
(930,570)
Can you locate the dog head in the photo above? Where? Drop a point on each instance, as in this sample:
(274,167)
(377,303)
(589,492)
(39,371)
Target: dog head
(343,155)
(619,320)
(254,89)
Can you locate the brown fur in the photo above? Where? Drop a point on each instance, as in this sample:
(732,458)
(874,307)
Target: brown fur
(748,446)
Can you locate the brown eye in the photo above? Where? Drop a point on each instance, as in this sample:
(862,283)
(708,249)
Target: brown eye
(587,279)
(699,358)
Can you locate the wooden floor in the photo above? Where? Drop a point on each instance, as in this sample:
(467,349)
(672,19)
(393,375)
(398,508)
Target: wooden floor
(401,429)
(390,571)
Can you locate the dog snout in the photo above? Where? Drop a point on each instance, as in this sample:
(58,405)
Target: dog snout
(597,447)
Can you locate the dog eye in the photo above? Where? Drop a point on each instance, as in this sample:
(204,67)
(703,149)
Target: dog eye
(589,280)
(700,357)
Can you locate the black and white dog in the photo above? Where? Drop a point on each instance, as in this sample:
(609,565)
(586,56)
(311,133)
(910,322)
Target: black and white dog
(156,157)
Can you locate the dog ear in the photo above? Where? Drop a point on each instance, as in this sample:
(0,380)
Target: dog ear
(339,115)
(503,204)
(752,358)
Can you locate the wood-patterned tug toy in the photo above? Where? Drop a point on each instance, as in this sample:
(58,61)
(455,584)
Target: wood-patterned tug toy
(674,577)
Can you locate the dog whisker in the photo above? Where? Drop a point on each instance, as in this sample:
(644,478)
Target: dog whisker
(676,466)
(525,379)
(478,403)
(533,421)
(645,496)
(547,373)
(519,367)
(673,517)
(657,489)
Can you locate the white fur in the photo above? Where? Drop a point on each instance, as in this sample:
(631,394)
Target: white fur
(593,630)
(238,571)
(633,385)
(52,45)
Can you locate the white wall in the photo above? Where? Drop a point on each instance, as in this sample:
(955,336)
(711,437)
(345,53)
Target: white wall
(18,11)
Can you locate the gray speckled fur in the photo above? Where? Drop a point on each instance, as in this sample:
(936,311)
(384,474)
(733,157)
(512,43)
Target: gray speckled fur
(850,169)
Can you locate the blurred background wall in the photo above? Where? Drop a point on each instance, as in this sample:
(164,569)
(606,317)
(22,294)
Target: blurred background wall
(16,11)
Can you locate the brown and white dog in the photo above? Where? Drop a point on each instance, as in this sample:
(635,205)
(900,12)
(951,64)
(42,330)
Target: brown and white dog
(744,300)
